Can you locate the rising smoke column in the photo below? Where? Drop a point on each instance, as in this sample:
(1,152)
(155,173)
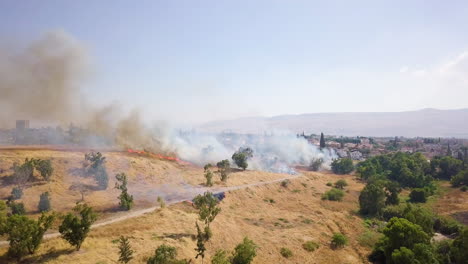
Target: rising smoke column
(42,80)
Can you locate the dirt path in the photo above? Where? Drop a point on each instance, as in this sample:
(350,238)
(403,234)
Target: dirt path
(187,195)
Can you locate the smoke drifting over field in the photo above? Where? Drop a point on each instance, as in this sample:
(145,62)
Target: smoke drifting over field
(42,81)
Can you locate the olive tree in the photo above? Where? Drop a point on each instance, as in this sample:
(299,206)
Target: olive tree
(76,226)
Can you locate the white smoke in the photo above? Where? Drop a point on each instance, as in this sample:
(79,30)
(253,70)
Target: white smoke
(277,152)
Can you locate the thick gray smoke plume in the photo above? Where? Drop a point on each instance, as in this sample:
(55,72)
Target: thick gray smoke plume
(42,82)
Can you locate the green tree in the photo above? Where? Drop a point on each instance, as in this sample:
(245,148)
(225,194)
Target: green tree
(22,173)
(25,235)
(340,184)
(459,249)
(201,239)
(445,167)
(342,166)
(95,166)
(372,199)
(245,252)
(17,208)
(223,168)
(241,156)
(420,216)
(208,209)
(44,202)
(322,141)
(76,226)
(44,167)
(94,161)
(392,190)
(126,200)
(208,176)
(398,233)
(16,193)
(460,179)
(403,256)
(418,195)
(125,250)
(207,206)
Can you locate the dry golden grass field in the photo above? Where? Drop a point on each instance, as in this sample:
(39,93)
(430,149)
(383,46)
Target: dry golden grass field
(272,215)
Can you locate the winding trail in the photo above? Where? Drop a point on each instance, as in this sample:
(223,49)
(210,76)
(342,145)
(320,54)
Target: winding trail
(184,196)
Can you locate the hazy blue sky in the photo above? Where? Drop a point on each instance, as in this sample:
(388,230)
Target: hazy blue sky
(203,60)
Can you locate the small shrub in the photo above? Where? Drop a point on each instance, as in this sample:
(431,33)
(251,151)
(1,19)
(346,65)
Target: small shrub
(44,202)
(329,184)
(463,188)
(338,240)
(418,195)
(340,184)
(286,252)
(316,164)
(310,246)
(333,195)
(245,252)
(285,183)
(16,193)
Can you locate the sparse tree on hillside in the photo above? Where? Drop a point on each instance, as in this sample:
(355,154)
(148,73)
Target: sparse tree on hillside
(201,240)
(44,202)
(208,208)
(316,164)
(322,141)
(76,226)
(241,156)
(102,178)
(22,173)
(94,161)
(17,208)
(25,235)
(208,175)
(44,167)
(126,200)
(125,250)
(95,165)
(223,168)
(16,193)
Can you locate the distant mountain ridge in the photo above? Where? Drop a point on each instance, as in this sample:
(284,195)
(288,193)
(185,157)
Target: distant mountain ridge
(427,122)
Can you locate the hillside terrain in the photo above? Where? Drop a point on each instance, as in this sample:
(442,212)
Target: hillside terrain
(277,211)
